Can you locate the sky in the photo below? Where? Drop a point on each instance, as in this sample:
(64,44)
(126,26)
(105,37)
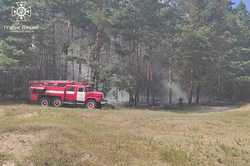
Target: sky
(247,2)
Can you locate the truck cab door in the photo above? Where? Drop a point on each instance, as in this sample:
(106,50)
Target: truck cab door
(70,93)
(81,95)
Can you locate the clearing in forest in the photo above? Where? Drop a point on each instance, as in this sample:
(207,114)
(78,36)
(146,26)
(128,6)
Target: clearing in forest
(31,135)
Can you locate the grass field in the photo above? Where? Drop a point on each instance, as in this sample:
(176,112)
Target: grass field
(35,136)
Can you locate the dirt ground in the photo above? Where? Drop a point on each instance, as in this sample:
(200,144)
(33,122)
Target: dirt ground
(210,136)
(18,144)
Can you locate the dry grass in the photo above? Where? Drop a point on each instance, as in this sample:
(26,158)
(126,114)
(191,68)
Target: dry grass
(31,135)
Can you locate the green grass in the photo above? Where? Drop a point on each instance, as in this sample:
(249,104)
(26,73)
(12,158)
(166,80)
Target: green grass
(176,156)
(74,136)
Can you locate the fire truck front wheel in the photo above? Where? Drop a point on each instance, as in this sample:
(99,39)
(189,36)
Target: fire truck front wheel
(44,102)
(91,104)
(56,102)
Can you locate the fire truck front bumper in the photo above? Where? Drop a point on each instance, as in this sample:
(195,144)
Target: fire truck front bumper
(104,102)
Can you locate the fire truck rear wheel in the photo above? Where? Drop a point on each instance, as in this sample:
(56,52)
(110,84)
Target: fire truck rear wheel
(44,102)
(57,102)
(91,104)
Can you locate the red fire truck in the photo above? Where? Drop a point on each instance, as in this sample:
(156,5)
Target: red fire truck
(57,93)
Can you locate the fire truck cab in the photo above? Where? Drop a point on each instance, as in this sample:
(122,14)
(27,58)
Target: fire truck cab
(57,93)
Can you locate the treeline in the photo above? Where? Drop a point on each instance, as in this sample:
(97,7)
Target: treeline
(193,50)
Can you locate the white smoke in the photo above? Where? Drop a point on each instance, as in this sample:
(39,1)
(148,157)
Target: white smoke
(177,92)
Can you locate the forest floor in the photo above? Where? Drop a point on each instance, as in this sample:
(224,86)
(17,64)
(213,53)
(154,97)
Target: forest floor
(35,136)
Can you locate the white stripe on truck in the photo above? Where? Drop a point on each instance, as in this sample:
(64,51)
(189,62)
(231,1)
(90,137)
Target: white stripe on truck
(54,91)
(60,92)
(70,93)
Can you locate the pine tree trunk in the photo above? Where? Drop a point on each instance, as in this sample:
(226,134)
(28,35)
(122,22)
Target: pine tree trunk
(73,69)
(148,83)
(170,93)
(190,99)
(55,71)
(198,90)
(131,98)
(79,71)
(136,98)
(148,92)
